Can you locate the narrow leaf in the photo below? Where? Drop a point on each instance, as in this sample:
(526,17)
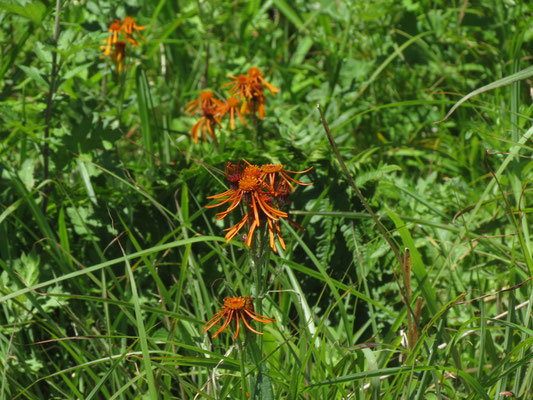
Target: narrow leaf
(518,76)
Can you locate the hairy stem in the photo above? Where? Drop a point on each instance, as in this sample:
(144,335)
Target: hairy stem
(380,226)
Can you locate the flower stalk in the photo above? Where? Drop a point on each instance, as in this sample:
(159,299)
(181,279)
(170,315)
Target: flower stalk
(259,254)
(48,113)
(259,193)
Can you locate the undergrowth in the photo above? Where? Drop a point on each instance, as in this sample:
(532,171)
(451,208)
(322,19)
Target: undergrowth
(411,279)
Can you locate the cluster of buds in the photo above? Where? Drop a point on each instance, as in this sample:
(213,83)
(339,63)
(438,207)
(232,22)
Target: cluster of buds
(262,191)
(115,48)
(246,97)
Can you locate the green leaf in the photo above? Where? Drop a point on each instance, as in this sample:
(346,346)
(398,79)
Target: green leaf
(185,202)
(34,74)
(33,10)
(141,330)
(144,101)
(286,10)
(365,177)
(80,70)
(301,51)
(372,366)
(267,392)
(418,265)
(63,233)
(87,181)
(26,173)
(518,76)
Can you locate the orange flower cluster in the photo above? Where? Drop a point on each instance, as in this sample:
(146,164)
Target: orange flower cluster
(247,97)
(115,48)
(263,191)
(260,193)
(236,309)
(249,89)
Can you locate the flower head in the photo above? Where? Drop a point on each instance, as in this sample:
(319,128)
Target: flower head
(236,309)
(259,191)
(129,27)
(208,105)
(250,89)
(116,48)
(205,100)
(249,191)
(206,123)
(253,193)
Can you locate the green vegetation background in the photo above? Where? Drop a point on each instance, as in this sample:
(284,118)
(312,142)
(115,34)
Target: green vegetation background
(84,317)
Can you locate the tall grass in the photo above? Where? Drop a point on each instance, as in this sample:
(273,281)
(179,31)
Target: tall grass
(111,264)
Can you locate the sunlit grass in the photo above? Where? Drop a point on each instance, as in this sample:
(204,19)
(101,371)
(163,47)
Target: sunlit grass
(111,265)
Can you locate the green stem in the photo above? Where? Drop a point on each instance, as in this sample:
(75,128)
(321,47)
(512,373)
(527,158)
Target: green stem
(259,254)
(258,130)
(244,382)
(215,141)
(48,113)
(379,224)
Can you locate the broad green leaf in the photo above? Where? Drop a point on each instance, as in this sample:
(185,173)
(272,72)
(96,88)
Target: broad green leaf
(26,173)
(34,10)
(34,74)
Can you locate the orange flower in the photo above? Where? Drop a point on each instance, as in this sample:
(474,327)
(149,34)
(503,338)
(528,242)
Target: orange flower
(249,88)
(209,107)
(281,196)
(231,106)
(114,30)
(250,187)
(129,26)
(253,192)
(275,231)
(236,309)
(255,77)
(206,123)
(205,100)
(261,191)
